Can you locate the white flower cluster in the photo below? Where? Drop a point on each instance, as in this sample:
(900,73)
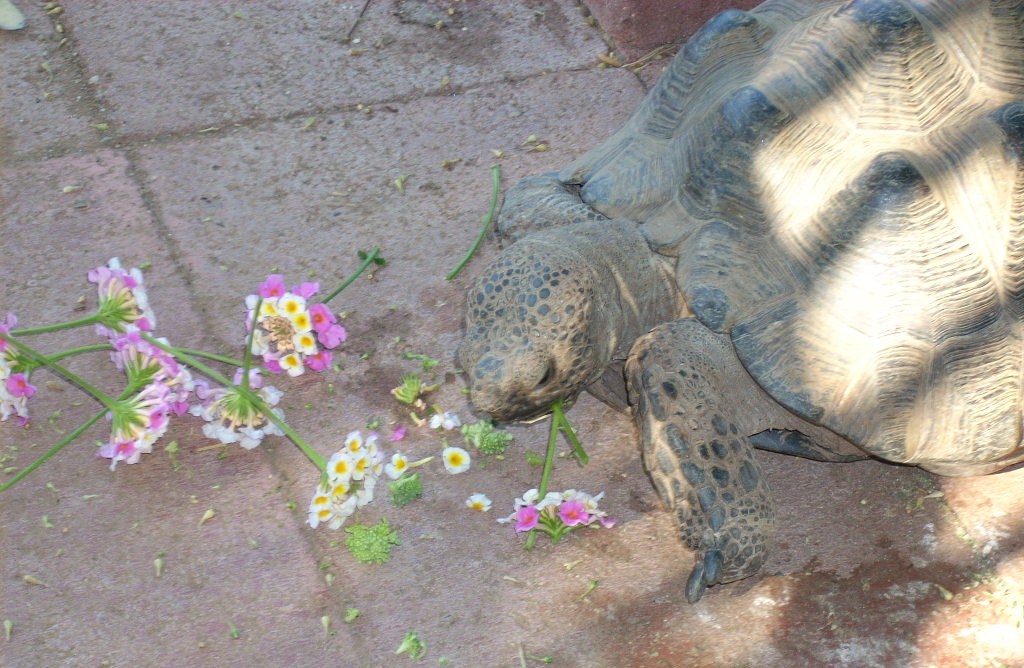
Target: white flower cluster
(351,477)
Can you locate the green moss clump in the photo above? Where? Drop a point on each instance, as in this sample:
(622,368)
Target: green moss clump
(371,545)
(484,437)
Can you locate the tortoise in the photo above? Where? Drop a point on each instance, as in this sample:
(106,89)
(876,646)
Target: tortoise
(807,239)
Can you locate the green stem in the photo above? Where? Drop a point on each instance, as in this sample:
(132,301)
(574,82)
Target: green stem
(558,415)
(210,356)
(81,322)
(78,351)
(545,476)
(250,396)
(247,359)
(367,261)
(52,451)
(487,220)
(41,359)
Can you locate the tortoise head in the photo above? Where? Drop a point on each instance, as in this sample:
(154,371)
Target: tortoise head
(550,314)
(531,335)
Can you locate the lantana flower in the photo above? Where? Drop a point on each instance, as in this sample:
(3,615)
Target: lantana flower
(398,466)
(446,421)
(479,502)
(163,389)
(350,480)
(123,300)
(291,334)
(15,391)
(456,460)
(558,513)
(136,424)
(231,417)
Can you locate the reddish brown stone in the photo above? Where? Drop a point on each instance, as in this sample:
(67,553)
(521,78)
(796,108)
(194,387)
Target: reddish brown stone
(637,26)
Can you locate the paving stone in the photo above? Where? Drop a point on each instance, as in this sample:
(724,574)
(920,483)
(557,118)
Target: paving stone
(216,64)
(41,109)
(874,565)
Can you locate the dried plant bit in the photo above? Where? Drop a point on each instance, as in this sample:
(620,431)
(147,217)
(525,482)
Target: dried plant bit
(8,628)
(426,361)
(100,126)
(32,580)
(446,80)
(158,564)
(309,123)
(410,389)
(208,515)
(209,129)
(498,153)
(946,594)
(591,586)
(70,189)
(654,54)
(540,148)
(412,645)
(325,622)
(356,52)
(329,578)
(450,164)
(609,60)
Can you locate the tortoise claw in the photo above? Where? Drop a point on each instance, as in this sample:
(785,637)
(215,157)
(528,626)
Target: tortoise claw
(696,584)
(706,572)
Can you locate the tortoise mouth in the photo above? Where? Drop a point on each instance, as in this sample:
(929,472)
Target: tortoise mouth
(525,410)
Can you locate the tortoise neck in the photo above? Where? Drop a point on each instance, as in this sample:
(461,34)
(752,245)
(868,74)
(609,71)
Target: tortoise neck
(635,287)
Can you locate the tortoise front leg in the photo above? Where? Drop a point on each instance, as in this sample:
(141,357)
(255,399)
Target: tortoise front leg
(702,465)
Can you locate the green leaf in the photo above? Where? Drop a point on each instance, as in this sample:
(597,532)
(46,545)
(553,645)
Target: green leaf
(406,489)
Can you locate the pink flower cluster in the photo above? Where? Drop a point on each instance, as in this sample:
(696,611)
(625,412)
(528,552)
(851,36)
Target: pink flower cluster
(231,417)
(15,390)
(558,513)
(291,334)
(160,387)
(123,301)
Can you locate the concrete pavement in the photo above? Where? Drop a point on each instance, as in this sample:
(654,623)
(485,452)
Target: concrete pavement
(215,143)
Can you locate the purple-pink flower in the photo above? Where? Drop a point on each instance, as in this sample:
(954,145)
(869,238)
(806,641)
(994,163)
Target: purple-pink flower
(288,332)
(319,361)
(6,326)
(18,385)
(273,287)
(527,518)
(572,513)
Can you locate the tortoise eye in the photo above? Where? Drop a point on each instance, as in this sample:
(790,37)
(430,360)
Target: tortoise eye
(549,375)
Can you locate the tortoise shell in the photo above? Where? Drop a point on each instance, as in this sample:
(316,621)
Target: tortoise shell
(841,186)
